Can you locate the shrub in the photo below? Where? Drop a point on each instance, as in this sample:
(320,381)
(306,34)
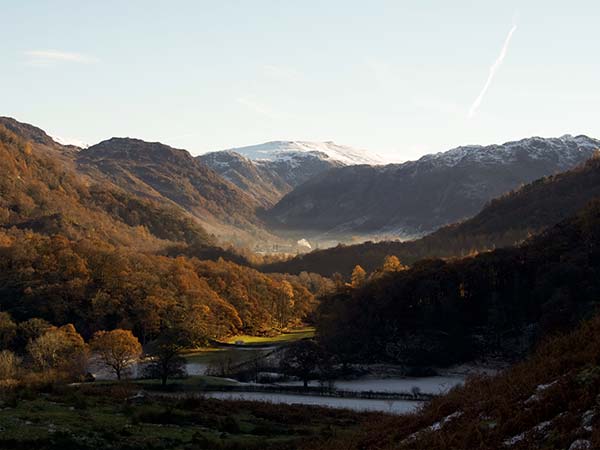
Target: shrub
(9,365)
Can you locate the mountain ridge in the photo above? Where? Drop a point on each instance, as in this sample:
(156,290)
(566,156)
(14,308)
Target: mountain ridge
(170,175)
(271,150)
(417,197)
(504,221)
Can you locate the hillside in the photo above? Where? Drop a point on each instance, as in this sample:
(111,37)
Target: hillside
(420,196)
(94,286)
(42,191)
(28,132)
(256,179)
(445,312)
(94,255)
(268,180)
(269,171)
(42,194)
(504,221)
(171,176)
(548,401)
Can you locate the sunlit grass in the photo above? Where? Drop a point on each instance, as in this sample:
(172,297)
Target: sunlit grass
(292,335)
(211,355)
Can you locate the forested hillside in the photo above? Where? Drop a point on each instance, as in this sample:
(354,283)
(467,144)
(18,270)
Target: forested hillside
(504,221)
(42,194)
(76,252)
(96,286)
(442,312)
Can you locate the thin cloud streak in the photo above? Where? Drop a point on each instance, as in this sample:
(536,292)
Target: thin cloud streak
(492,73)
(49,56)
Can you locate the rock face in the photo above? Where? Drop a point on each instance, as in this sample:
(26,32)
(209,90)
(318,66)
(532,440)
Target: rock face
(419,196)
(256,179)
(296,168)
(155,170)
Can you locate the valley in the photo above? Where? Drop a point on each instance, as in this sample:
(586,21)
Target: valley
(117,295)
(316,225)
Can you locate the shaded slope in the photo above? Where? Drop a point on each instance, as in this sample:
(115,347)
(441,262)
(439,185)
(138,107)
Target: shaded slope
(419,196)
(549,401)
(504,221)
(156,170)
(258,180)
(443,312)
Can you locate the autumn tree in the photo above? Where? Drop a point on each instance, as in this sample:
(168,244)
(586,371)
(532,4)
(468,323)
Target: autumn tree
(391,263)
(118,349)
(284,303)
(59,348)
(9,365)
(359,276)
(30,330)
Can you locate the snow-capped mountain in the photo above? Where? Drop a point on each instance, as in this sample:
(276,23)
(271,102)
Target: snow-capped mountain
(420,196)
(269,171)
(284,150)
(565,150)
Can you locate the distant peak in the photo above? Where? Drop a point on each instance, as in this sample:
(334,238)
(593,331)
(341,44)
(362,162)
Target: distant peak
(285,149)
(27,131)
(133,148)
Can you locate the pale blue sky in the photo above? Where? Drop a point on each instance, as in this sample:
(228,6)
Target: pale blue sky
(396,77)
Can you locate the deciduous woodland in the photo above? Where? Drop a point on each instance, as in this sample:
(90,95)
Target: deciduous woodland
(71,254)
(443,312)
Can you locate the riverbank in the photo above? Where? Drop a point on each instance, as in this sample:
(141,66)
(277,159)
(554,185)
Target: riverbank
(396,396)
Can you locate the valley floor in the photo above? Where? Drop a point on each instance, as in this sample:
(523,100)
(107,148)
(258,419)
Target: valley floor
(114,417)
(382,391)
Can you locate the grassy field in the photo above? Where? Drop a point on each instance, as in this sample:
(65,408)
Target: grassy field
(100,416)
(290,336)
(212,355)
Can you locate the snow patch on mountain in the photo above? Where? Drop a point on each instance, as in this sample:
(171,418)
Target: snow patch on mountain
(293,150)
(70,141)
(565,150)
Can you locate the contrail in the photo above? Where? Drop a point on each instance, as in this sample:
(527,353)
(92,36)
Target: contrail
(493,71)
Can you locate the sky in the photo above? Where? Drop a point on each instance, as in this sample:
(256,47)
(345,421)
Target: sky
(400,78)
